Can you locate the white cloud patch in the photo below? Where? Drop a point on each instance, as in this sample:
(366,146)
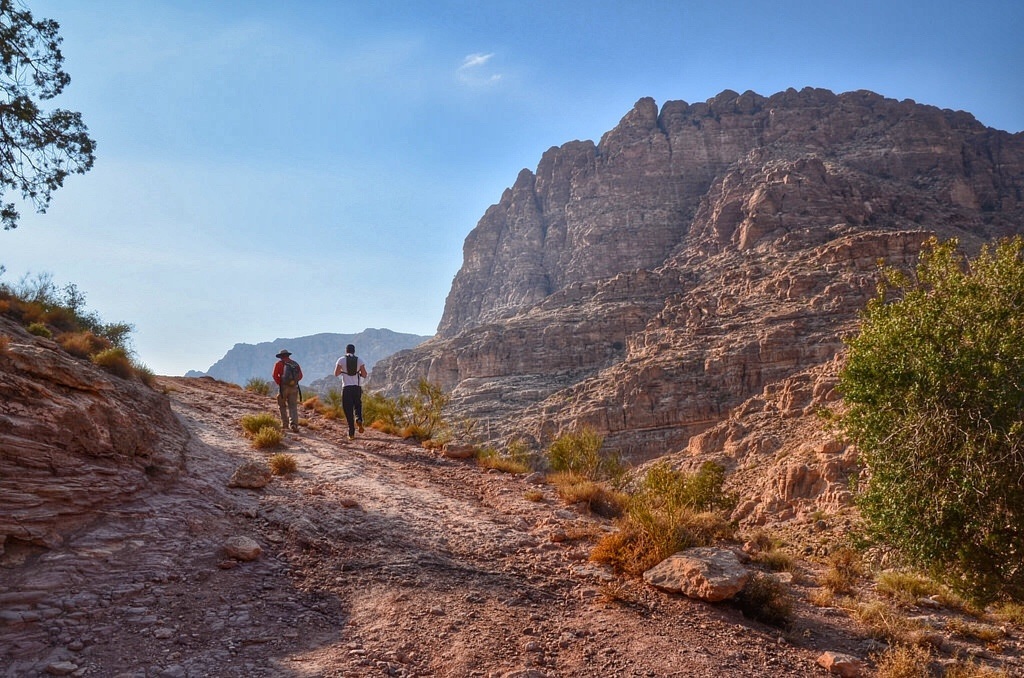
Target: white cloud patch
(476,70)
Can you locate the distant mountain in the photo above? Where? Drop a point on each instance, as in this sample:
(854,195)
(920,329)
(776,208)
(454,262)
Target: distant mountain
(317,354)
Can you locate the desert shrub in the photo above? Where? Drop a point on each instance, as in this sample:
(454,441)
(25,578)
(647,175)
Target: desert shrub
(83,343)
(766,599)
(252,423)
(1009,611)
(379,411)
(40,330)
(972,668)
(258,385)
(283,464)
(425,410)
(534,495)
(144,374)
(669,511)
(116,361)
(489,457)
(904,661)
(268,436)
(776,559)
(885,622)
(597,496)
(933,385)
(580,453)
(843,571)
(904,587)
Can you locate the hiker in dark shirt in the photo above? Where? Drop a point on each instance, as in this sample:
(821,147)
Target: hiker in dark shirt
(287,375)
(352,371)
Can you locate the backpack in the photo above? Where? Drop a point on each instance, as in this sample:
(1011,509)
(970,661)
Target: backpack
(351,365)
(290,375)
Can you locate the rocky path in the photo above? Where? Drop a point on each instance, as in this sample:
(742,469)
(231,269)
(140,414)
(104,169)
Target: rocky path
(378,558)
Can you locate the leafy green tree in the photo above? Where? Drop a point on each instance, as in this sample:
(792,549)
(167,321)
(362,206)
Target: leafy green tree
(38,149)
(934,388)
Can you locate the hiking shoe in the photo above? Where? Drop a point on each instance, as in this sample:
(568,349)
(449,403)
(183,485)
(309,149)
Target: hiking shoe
(360,425)
(351,436)
(295,428)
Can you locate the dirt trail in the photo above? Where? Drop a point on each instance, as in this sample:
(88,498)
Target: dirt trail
(379,558)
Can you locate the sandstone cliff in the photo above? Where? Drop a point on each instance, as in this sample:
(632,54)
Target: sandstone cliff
(701,256)
(73,441)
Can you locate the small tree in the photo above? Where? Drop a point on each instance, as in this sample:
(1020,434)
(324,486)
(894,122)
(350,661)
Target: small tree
(934,386)
(37,149)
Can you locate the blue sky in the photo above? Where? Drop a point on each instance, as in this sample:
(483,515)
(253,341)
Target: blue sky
(271,169)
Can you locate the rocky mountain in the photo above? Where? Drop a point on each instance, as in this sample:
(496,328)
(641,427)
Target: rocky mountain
(701,264)
(317,354)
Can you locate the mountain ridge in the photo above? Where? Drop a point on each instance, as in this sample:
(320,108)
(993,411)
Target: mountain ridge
(699,255)
(317,353)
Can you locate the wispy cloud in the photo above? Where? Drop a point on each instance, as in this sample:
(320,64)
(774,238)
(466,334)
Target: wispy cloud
(475,70)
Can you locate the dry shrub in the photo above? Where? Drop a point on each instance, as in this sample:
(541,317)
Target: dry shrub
(638,546)
(534,495)
(905,588)
(904,661)
(776,559)
(416,432)
(974,669)
(598,497)
(843,571)
(253,423)
(1009,611)
(986,633)
(490,458)
(766,599)
(268,436)
(283,464)
(312,403)
(83,344)
(116,361)
(883,622)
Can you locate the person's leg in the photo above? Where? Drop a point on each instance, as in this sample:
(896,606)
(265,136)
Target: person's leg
(359,406)
(282,404)
(293,407)
(348,404)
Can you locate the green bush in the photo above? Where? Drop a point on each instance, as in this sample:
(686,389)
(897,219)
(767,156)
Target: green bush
(257,385)
(580,453)
(933,385)
(40,330)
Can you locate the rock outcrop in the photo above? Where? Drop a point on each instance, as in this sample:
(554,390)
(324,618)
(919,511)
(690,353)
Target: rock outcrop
(698,260)
(73,440)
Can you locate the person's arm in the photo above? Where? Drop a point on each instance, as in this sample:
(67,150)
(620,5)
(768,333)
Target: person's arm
(337,368)
(278,370)
(362,370)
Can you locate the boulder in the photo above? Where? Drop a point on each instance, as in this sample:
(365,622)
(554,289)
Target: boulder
(709,574)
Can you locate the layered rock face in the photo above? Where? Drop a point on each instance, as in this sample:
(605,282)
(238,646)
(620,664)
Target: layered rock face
(73,440)
(701,256)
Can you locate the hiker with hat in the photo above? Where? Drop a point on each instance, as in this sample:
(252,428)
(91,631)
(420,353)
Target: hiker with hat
(287,375)
(352,371)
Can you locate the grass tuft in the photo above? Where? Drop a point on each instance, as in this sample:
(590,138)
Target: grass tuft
(904,661)
(268,436)
(283,464)
(843,572)
(116,361)
(259,386)
(252,423)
